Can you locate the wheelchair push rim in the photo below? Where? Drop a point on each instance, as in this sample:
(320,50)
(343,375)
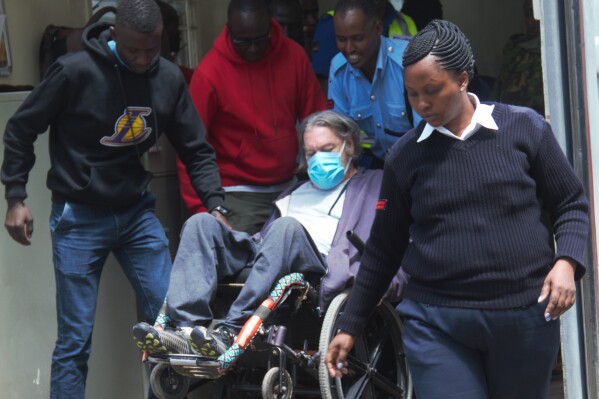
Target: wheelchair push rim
(377,366)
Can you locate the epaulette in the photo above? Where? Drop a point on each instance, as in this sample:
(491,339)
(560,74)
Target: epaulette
(337,62)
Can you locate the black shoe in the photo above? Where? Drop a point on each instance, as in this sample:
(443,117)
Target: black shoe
(211,344)
(159,342)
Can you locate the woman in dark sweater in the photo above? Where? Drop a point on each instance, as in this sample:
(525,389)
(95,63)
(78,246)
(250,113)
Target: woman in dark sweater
(462,208)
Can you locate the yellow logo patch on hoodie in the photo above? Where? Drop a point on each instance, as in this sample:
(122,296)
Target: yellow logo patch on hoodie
(131,128)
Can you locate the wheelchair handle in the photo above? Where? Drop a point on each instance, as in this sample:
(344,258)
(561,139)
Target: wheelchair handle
(355,240)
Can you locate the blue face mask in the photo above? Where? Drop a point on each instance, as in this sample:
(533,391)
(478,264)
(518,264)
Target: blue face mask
(326,170)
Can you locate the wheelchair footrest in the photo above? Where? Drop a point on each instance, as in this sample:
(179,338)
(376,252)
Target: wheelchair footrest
(191,365)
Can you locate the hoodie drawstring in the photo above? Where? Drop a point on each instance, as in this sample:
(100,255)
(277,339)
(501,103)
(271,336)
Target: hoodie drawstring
(124,98)
(272,104)
(254,113)
(155,117)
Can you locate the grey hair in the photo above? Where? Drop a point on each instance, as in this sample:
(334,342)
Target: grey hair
(140,15)
(343,127)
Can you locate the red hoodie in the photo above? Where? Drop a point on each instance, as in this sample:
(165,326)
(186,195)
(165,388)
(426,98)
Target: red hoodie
(251,109)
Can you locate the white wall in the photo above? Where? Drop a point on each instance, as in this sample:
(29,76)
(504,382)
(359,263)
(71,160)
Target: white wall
(488,25)
(26,20)
(27,289)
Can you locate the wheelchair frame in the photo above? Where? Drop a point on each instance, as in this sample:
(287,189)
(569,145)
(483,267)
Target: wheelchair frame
(377,367)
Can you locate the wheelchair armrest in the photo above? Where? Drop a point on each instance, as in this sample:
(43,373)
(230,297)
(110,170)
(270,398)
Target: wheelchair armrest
(355,240)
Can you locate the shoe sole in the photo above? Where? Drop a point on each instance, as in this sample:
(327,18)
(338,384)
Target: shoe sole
(204,345)
(148,342)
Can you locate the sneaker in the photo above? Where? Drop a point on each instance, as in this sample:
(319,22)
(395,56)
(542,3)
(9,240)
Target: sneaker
(160,342)
(211,344)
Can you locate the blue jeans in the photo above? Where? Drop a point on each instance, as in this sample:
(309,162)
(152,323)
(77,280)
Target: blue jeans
(479,353)
(82,238)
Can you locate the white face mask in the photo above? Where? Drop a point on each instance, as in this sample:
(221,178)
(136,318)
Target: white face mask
(397,4)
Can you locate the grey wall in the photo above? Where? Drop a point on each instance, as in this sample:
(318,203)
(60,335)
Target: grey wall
(27,304)
(488,24)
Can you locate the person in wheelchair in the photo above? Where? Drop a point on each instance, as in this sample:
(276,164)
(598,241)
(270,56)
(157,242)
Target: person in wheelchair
(306,234)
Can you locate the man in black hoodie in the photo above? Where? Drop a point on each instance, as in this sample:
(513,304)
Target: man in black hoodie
(105,107)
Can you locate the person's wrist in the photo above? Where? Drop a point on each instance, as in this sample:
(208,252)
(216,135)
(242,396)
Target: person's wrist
(220,209)
(567,261)
(15,202)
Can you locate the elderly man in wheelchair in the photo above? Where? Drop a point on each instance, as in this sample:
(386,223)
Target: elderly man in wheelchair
(310,238)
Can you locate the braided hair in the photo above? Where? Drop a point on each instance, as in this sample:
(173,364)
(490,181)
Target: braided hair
(140,15)
(444,40)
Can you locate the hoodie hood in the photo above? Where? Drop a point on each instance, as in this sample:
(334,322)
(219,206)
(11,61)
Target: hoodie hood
(95,39)
(224,45)
(251,109)
(103,119)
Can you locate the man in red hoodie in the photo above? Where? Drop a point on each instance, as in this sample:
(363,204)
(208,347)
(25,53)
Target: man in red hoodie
(250,90)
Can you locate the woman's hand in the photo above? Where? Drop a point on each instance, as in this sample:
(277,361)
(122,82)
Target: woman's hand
(559,286)
(336,357)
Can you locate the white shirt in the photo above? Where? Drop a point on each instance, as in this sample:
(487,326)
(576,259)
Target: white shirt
(482,117)
(261,189)
(317,210)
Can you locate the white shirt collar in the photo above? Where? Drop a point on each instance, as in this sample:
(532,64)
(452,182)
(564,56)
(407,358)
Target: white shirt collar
(482,117)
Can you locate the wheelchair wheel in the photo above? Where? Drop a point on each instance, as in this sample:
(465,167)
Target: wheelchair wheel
(274,388)
(166,383)
(377,366)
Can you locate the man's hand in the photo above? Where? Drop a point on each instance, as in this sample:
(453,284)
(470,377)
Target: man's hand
(222,218)
(560,287)
(19,221)
(336,357)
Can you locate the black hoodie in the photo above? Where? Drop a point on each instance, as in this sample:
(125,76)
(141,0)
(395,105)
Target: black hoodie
(87,99)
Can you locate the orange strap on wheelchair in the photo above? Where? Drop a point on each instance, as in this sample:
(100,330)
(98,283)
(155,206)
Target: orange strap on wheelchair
(251,327)
(253,324)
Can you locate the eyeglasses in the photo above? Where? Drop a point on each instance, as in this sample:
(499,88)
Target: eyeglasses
(247,43)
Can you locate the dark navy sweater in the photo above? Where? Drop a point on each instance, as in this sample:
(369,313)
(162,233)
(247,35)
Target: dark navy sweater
(465,218)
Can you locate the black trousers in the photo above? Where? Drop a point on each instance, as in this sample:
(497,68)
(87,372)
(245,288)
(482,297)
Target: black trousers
(478,354)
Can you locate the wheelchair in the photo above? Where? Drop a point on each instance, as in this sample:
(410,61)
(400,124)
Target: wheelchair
(279,353)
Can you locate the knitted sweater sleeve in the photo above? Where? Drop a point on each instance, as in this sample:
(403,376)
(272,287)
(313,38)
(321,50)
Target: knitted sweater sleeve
(384,250)
(563,197)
